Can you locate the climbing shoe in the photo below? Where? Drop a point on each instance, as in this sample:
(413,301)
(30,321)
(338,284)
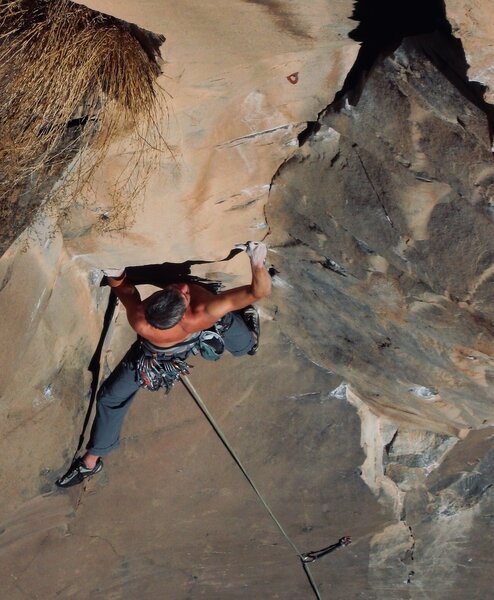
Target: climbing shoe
(78,472)
(251,318)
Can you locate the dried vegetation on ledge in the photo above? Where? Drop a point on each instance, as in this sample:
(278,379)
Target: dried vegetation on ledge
(71,80)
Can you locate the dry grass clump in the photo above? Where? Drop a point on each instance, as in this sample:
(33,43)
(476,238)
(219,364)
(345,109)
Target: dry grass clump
(71,79)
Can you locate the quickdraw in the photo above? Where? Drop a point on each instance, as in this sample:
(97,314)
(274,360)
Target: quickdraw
(306,557)
(309,557)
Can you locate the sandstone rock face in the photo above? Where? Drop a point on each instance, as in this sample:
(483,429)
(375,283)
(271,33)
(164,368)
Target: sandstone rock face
(472,23)
(382,234)
(439,489)
(172,515)
(232,118)
(368,409)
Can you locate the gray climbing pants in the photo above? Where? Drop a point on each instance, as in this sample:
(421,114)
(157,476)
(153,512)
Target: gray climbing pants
(118,391)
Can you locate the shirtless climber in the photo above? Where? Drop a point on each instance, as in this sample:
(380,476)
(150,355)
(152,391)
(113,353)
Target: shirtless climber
(170,324)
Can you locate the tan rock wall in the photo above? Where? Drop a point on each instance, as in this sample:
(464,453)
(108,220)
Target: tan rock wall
(472,23)
(232,118)
(370,289)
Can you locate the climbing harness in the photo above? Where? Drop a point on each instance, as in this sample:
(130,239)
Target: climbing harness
(305,557)
(161,367)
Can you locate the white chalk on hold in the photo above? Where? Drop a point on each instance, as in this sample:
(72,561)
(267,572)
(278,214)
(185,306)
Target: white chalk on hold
(279,282)
(94,276)
(339,392)
(260,225)
(421,391)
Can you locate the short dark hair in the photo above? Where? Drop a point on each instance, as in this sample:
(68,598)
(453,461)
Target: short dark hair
(165,308)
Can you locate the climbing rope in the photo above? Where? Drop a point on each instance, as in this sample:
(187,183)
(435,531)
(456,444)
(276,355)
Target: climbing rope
(306,557)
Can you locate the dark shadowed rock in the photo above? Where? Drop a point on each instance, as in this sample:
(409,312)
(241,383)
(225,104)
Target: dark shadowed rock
(383,239)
